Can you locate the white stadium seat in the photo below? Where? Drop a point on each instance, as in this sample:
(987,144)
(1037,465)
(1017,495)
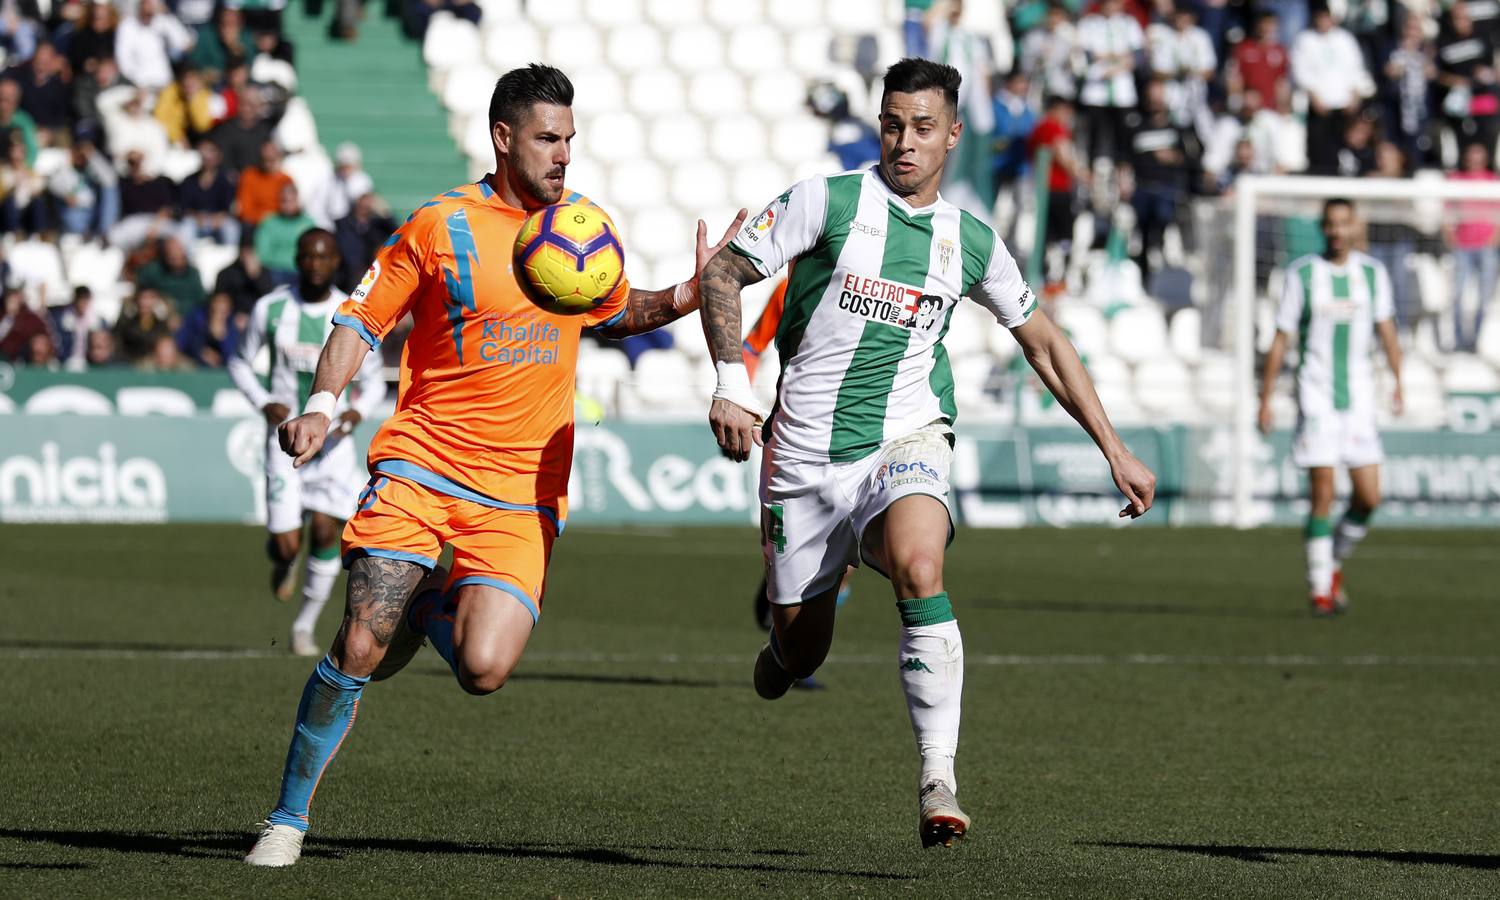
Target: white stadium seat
(596,89)
(734,14)
(678,138)
(794,14)
(1138,334)
(674,13)
(1084,325)
(94,267)
(1422,390)
(512,46)
(754,49)
(1185,333)
(737,139)
(1108,371)
(778,94)
(574,44)
(757,183)
(38,267)
(476,141)
(659,230)
(822,164)
(1489,340)
(636,185)
(696,48)
(808,51)
(467,89)
(1216,384)
(616,136)
(587,177)
(1164,386)
(716,93)
(1469,374)
(966,331)
(687,337)
(295,132)
(450,42)
(800,138)
(666,381)
(601,372)
(635,47)
(500,12)
(656,92)
(611,13)
(550,13)
(861,102)
(855,16)
(698,185)
(210,259)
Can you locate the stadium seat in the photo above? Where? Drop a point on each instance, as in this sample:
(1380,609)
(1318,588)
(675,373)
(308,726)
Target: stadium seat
(862,105)
(1164,387)
(514,45)
(311,171)
(821,164)
(971,376)
(716,93)
(500,12)
(37,266)
(1215,384)
(793,15)
(678,138)
(596,90)
(667,383)
(467,89)
(1469,374)
(1434,282)
(656,92)
(297,131)
(49,161)
(1185,332)
(966,329)
(855,16)
(757,183)
(637,185)
(674,13)
(696,48)
(754,49)
(450,42)
(549,13)
(737,139)
(778,94)
(95,267)
(613,13)
(687,337)
(808,51)
(1423,392)
(657,230)
(601,372)
(1489,339)
(476,142)
(210,259)
(635,47)
(1084,325)
(733,15)
(229,403)
(998,340)
(573,44)
(617,136)
(699,185)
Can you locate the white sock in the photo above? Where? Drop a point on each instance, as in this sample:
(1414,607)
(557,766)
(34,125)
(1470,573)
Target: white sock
(1347,536)
(1320,565)
(932,677)
(317,584)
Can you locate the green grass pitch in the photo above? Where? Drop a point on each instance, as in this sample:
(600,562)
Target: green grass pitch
(1147,713)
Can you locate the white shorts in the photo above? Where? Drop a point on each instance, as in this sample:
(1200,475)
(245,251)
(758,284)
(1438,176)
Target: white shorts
(814,514)
(1340,438)
(330,484)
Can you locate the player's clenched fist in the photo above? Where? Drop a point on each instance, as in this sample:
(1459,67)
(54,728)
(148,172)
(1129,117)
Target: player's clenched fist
(302,437)
(734,427)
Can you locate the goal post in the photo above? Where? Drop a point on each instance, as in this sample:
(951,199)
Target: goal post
(1425,202)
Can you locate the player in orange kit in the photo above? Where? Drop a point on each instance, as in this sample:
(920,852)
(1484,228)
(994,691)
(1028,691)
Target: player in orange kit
(478,454)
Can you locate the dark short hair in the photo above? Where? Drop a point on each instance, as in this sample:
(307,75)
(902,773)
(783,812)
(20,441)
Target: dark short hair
(912,75)
(316,231)
(1331,202)
(519,89)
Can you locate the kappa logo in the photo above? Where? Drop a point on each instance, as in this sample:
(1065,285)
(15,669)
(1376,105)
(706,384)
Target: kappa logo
(366,283)
(893,303)
(914,664)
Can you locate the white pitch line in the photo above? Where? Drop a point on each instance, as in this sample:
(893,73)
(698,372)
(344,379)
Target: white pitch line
(674,659)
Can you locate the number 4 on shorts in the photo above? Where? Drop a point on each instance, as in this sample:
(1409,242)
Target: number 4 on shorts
(772,526)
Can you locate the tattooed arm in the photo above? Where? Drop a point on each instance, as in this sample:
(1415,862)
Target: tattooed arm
(734,424)
(649,310)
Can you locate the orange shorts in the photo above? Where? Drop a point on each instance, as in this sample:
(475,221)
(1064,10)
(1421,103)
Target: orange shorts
(412,515)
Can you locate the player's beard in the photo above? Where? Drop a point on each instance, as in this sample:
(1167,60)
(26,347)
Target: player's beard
(543,190)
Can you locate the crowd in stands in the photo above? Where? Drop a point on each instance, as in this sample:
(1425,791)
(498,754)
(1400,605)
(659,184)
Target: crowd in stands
(156,133)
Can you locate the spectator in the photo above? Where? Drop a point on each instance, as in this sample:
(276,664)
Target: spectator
(242,138)
(1357,155)
(1051,57)
(1110,40)
(185,108)
(86,191)
(417,13)
(261,185)
(95,41)
(103,78)
(1054,133)
(913,27)
(164,357)
(245,280)
(1183,54)
(360,236)
(1014,121)
(1394,241)
(208,199)
(147,43)
(147,205)
(1242,162)
(18,323)
(1164,156)
(1291,20)
(44,92)
(1410,70)
(16,125)
(349,183)
(1369,21)
(129,125)
(73,323)
(208,334)
(145,318)
(19,32)
(1261,64)
(852,140)
(1266,131)
(23,208)
(41,352)
(1328,65)
(1466,75)
(224,45)
(1473,239)
(101,351)
(173,276)
(276,236)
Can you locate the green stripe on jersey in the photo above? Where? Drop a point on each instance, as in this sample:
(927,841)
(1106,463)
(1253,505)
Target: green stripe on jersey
(941,378)
(978,243)
(1341,348)
(1370,282)
(310,330)
(811,275)
(273,319)
(859,411)
(1304,275)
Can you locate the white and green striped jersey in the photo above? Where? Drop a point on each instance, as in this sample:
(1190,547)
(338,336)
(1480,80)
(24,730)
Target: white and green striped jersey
(871,292)
(1331,311)
(295,332)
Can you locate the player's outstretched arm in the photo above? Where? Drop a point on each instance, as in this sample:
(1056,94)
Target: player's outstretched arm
(650,310)
(1052,356)
(1268,375)
(302,437)
(735,413)
(1391,343)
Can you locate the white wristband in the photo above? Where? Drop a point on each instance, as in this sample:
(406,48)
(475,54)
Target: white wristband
(321,402)
(734,387)
(684,298)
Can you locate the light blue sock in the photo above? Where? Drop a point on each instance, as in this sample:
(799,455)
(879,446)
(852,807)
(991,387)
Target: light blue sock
(430,614)
(329,704)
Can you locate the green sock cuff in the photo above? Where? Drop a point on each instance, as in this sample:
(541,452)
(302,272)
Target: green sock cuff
(328,553)
(934,610)
(1359,516)
(1319,526)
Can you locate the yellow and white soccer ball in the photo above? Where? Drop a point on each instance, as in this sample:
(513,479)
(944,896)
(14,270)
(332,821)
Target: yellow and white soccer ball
(568,257)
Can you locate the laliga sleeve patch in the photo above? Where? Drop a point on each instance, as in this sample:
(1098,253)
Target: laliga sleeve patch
(757,228)
(366,283)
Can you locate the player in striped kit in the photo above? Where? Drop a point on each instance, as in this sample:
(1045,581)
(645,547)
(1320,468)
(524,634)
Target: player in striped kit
(859,444)
(294,322)
(1335,305)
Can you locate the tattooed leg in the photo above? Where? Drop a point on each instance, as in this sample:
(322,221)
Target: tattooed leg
(379,590)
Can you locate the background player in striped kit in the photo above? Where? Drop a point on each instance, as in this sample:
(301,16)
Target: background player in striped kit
(1335,305)
(860,442)
(293,322)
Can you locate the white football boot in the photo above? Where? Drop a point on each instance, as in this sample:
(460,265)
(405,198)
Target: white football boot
(277,846)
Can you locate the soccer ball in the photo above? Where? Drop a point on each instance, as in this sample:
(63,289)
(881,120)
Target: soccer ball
(568,258)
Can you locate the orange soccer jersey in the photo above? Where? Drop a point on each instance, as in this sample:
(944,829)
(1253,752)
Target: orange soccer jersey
(764,331)
(486,402)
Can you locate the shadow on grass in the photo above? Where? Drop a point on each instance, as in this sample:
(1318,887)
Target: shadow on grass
(629,680)
(119,646)
(232,845)
(1268,854)
(1293,610)
(27,867)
